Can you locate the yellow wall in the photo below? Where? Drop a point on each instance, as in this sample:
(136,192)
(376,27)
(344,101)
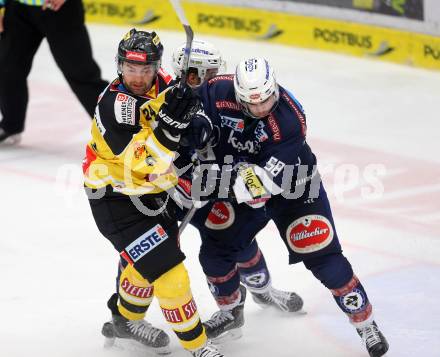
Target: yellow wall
(285,28)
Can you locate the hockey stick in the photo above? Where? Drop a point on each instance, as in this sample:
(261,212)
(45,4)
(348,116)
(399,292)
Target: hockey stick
(177,5)
(189,215)
(206,154)
(189,38)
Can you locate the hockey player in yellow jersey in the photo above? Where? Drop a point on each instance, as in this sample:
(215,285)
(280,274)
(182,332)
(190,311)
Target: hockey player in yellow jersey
(128,169)
(125,149)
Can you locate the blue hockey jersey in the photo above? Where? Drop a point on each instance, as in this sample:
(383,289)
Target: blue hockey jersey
(276,143)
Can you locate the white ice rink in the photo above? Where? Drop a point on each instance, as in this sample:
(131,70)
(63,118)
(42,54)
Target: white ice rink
(57,271)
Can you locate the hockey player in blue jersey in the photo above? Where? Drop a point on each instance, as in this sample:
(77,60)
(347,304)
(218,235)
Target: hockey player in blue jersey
(259,142)
(223,222)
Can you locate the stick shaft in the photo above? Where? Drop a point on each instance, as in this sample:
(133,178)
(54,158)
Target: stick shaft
(177,5)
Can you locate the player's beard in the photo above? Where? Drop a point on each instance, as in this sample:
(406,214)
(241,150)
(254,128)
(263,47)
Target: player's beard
(138,88)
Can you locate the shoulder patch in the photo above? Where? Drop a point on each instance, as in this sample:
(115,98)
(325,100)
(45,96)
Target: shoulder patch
(125,109)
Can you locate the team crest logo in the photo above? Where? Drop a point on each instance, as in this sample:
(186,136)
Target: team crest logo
(213,288)
(309,234)
(353,301)
(139,149)
(256,280)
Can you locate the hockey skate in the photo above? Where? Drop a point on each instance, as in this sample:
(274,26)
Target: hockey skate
(282,300)
(225,325)
(149,337)
(374,340)
(209,350)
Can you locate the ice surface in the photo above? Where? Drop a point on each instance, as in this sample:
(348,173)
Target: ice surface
(57,270)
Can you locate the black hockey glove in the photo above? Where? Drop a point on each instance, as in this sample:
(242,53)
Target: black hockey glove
(199,131)
(173,114)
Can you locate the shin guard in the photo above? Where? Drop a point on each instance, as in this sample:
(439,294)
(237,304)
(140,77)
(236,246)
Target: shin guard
(172,289)
(254,273)
(135,294)
(353,300)
(225,289)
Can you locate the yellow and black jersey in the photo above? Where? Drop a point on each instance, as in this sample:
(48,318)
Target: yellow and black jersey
(127,150)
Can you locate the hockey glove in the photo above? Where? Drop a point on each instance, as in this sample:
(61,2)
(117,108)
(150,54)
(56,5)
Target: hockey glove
(199,131)
(173,114)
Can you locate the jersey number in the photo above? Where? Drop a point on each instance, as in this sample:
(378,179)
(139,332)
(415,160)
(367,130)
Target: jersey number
(274,166)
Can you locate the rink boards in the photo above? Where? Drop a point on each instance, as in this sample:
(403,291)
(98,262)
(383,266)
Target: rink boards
(350,38)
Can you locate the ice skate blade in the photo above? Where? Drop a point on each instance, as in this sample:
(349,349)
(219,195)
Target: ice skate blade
(109,342)
(300,312)
(130,345)
(227,336)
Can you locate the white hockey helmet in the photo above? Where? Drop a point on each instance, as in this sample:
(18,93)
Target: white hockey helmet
(255,82)
(204,56)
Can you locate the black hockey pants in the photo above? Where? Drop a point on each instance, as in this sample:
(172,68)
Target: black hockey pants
(25,27)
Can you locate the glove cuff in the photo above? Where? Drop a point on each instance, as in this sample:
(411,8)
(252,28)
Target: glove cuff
(174,126)
(166,139)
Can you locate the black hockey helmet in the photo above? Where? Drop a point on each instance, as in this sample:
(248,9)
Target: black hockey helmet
(140,47)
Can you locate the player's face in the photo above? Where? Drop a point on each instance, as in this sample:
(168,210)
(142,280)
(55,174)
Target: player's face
(263,109)
(138,78)
(210,73)
(194,80)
